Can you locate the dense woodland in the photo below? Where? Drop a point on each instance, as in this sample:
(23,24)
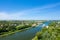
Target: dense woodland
(52,32)
(11,26)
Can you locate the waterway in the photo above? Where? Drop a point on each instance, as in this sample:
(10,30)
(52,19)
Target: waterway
(25,35)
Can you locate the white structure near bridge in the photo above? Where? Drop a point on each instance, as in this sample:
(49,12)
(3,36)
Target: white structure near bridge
(45,26)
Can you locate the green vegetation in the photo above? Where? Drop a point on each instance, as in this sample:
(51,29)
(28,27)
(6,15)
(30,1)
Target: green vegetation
(10,27)
(50,33)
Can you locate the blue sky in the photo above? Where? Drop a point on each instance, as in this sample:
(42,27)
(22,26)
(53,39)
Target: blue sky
(29,9)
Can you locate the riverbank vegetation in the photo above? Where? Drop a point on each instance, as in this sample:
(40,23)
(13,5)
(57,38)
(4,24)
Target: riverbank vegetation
(10,27)
(52,32)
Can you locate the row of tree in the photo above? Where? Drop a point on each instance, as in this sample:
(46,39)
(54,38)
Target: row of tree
(50,33)
(7,26)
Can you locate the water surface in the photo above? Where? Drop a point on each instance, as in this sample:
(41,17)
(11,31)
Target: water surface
(25,35)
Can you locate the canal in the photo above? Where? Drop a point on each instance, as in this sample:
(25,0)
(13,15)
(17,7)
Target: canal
(25,35)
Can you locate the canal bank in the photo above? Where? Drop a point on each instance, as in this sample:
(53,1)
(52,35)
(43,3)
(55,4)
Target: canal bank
(24,35)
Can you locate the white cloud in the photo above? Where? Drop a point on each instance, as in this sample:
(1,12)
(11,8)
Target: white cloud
(12,16)
(23,14)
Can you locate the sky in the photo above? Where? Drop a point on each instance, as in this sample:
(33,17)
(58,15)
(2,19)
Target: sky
(29,9)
